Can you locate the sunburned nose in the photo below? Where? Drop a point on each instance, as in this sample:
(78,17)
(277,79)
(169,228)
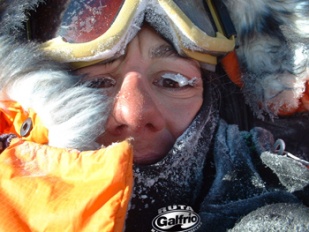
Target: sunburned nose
(135,110)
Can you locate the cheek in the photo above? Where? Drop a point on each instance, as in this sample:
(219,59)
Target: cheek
(179,115)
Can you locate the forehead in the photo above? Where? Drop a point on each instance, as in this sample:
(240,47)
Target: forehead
(151,42)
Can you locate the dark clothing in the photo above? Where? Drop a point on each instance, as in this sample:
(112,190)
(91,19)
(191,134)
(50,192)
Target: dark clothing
(248,178)
(223,177)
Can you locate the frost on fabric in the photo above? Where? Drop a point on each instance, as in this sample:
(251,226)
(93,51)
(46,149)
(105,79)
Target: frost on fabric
(298,177)
(158,18)
(236,164)
(180,172)
(275,217)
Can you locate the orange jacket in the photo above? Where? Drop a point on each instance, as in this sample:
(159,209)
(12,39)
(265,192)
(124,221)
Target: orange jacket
(45,188)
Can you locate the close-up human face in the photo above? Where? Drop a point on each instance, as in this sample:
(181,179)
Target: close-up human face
(156,92)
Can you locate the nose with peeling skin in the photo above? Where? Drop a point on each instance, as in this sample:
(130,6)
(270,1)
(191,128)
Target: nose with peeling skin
(134,110)
(136,115)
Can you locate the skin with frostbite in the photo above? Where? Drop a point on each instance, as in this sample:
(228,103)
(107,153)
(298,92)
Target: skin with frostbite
(157,93)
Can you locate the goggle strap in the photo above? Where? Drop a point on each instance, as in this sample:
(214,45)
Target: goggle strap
(221,18)
(28,30)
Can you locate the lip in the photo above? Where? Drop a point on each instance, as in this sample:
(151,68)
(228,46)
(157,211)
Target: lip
(144,153)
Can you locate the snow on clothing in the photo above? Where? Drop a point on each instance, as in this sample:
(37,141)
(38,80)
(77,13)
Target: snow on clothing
(230,177)
(224,174)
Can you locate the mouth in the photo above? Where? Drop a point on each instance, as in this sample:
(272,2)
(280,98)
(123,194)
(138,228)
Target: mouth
(145,153)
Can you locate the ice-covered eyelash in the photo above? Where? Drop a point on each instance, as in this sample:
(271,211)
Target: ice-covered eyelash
(180,79)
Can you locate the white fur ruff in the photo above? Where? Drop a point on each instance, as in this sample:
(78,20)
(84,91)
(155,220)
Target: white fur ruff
(74,114)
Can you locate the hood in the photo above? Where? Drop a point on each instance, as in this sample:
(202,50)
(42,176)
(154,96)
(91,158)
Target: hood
(272,50)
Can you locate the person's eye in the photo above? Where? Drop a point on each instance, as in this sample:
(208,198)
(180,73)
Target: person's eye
(101,82)
(173,80)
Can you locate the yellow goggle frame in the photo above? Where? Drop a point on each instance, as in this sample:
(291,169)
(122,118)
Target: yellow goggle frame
(115,38)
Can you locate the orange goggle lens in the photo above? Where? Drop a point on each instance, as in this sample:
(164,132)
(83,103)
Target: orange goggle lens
(84,21)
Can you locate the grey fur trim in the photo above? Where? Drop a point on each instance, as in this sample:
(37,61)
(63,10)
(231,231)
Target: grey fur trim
(74,114)
(273,50)
(13,16)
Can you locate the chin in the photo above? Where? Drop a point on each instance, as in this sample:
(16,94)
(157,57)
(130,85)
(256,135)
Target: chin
(148,159)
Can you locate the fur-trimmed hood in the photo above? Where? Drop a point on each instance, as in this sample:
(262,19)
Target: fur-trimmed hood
(57,97)
(13,16)
(272,49)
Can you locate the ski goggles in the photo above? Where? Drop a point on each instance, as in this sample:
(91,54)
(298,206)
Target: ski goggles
(84,32)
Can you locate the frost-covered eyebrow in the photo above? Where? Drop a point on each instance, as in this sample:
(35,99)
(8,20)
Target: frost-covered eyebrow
(162,51)
(167,50)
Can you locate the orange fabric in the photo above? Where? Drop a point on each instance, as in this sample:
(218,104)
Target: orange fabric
(50,189)
(12,116)
(231,67)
